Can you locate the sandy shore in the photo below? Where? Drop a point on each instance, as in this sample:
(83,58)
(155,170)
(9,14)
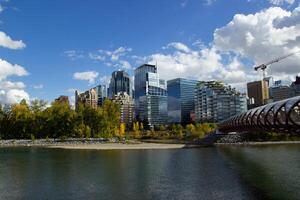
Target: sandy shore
(89,144)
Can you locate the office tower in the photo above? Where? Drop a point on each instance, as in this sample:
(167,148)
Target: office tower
(101,93)
(279,91)
(215,102)
(295,88)
(181,100)
(258,93)
(119,82)
(150,96)
(126,107)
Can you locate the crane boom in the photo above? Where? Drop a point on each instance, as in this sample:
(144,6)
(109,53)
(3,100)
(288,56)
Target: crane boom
(264,66)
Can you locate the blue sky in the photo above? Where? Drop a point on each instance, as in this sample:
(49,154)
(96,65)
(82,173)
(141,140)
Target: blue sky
(65,45)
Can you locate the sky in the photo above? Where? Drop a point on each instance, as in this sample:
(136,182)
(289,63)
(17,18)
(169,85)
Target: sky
(51,48)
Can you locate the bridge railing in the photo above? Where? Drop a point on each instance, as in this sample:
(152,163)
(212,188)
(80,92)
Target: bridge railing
(280,116)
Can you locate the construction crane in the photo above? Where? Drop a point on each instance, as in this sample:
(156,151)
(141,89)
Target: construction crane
(264,66)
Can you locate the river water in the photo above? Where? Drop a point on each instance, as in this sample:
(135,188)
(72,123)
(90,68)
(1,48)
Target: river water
(248,172)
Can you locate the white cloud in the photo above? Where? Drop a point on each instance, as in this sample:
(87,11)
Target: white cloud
(179,46)
(8,69)
(89,76)
(13,96)
(96,57)
(280,2)
(198,64)
(37,87)
(124,64)
(11,85)
(73,54)
(7,42)
(263,36)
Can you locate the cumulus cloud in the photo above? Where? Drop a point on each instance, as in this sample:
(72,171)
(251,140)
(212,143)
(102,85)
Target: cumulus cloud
(262,36)
(184,62)
(13,96)
(7,42)
(89,76)
(11,92)
(8,69)
(11,85)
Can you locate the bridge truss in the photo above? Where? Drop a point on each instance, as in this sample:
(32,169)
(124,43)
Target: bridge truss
(281,116)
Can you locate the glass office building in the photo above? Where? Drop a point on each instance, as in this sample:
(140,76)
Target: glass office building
(181,100)
(150,96)
(119,82)
(215,102)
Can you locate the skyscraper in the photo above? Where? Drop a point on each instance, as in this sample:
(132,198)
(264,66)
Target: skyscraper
(279,91)
(215,102)
(181,94)
(126,107)
(119,82)
(150,96)
(295,87)
(93,97)
(258,93)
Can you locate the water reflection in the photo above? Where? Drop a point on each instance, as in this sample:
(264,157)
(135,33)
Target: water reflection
(207,173)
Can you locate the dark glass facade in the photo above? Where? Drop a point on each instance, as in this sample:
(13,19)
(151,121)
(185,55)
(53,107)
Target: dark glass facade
(180,100)
(119,82)
(150,96)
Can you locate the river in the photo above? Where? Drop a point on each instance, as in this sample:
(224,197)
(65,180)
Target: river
(229,172)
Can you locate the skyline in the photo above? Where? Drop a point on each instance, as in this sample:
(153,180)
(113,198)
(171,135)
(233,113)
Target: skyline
(51,48)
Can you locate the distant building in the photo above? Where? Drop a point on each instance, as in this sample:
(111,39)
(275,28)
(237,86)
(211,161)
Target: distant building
(119,82)
(87,98)
(150,96)
(126,107)
(258,93)
(62,99)
(93,97)
(279,91)
(215,102)
(101,93)
(181,94)
(295,88)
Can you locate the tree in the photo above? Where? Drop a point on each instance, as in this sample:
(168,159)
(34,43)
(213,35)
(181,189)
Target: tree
(122,130)
(190,129)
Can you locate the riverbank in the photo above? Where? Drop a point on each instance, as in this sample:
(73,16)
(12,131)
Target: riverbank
(257,143)
(97,144)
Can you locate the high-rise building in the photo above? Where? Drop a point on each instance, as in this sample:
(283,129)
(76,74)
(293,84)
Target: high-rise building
(62,99)
(258,93)
(295,88)
(93,97)
(181,100)
(101,93)
(150,96)
(126,107)
(119,82)
(87,98)
(215,102)
(279,91)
